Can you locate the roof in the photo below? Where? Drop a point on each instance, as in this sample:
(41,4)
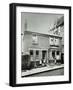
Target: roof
(47,35)
(59,22)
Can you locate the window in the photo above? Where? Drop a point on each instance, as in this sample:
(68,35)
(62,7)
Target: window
(51,41)
(34,39)
(37,52)
(56,41)
(31,52)
(57,52)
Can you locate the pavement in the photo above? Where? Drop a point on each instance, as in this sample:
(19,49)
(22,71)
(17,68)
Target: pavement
(55,72)
(42,69)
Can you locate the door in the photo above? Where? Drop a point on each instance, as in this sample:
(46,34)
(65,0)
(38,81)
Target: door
(44,54)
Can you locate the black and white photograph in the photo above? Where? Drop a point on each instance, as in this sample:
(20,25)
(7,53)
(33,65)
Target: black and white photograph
(42,44)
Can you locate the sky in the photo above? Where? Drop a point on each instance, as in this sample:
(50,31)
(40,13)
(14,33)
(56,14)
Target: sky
(38,22)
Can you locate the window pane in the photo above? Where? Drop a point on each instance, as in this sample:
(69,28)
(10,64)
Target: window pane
(57,52)
(34,39)
(31,52)
(37,52)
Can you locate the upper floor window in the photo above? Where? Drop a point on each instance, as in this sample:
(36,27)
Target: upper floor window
(54,41)
(34,39)
(51,41)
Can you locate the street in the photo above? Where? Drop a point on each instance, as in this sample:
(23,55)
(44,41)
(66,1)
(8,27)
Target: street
(50,73)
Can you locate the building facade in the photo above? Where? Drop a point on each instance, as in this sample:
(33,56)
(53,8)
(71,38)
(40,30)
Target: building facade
(40,49)
(43,49)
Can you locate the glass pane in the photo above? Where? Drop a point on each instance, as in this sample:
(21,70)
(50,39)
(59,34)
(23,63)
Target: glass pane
(31,52)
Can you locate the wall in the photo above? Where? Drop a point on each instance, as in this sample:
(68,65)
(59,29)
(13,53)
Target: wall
(43,42)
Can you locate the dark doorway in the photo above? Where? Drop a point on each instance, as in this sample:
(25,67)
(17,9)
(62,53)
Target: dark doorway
(53,53)
(43,54)
(57,52)
(62,58)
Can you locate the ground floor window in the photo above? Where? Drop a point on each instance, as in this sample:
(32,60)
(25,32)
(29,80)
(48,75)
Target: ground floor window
(57,52)
(37,52)
(31,52)
(55,56)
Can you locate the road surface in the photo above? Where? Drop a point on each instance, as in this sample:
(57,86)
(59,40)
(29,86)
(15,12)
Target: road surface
(50,73)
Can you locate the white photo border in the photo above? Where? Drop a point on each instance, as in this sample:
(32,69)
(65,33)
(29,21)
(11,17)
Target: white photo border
(19,79)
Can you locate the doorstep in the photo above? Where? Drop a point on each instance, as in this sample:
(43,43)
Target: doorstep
(42,69)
